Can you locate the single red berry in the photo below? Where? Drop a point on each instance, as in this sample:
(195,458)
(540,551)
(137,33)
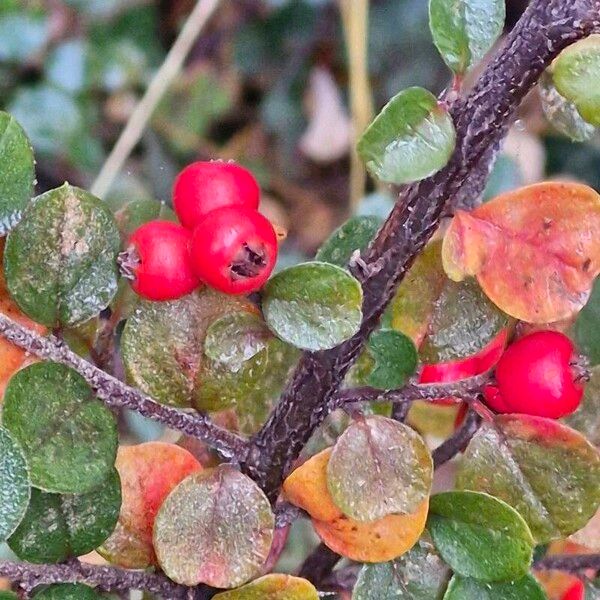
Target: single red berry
(575,592)
(205,186)
(158,261)
(535,377)
(464,368)
(234,249)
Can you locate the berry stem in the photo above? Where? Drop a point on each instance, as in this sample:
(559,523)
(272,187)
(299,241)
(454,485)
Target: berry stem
(128,261)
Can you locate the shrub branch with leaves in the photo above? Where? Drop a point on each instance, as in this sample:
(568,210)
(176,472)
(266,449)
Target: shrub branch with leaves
(251,387)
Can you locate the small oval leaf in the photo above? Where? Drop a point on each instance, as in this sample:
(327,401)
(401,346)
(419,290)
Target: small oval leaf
(216,527)
(313,306)
(520,241)
(17,172)
(418,575)
(148,473)
(379,467)
(548,472)
(575,74)
(463,588)
(60,526)
(68,436)
(480,536)
(395,358)
(60,260)
(15,487)
(162,343)
(67,591)
(413,137)
(464,30)
(275,586)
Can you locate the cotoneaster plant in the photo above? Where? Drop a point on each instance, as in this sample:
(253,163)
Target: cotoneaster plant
(313,393)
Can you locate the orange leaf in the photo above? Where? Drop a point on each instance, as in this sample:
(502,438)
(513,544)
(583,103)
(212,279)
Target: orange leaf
(535,251)
(148,474)
(377,541)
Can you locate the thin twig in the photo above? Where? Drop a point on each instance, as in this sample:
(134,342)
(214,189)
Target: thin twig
(117,394)
(573,563)
(456,443)
(29,576)
(158,86)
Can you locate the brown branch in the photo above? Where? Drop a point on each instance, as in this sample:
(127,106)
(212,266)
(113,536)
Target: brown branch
(573,563)
(456,443)
(29,576)
(482,120)
(319,564)
(117,394)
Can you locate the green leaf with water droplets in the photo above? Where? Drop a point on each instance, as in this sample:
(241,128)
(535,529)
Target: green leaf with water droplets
(216,527)
(480,536)
(576,75)
(67,591)
(464,30)
(17,173)
(413,137)
(15,486)
(313,306)
(275,586)
(162,343)
(379,467)
(395,359)
(60,526)
(562,114)
(419,574)
(245,368)
(60,260)
(463,588)
(355,234)
(68,436)
(548,472)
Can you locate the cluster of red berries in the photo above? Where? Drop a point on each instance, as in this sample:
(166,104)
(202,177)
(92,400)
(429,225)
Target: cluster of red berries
(535,375)
(223,241)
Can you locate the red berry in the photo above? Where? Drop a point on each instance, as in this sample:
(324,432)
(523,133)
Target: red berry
(575,592)
(204,186)
(234,249)
(158,260)
(464,368)
(534,376)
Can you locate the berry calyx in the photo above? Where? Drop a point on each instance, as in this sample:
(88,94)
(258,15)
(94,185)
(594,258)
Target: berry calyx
(535,377)
(157,260)
(205,186)
(575,592)
(234,249)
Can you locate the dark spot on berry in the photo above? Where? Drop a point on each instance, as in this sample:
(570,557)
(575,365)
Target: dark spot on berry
(248,263)
(587,264)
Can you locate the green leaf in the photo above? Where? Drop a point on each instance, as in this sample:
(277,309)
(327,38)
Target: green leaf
(246,368)
(379,467)
(548,472)
(480,536)
(576,73)
(59,526)
(464,30)
(313,306)
(162,343)
(68,436)
(67,591)
(505,176)
(446,320)
(463,588)
(562,114)
(17,171)
(60,260)
(586,419)
(14,484)
(275,586)
(216,527)
(592,590)
(354,234)
(395,358)
(587,327)
(8,596)
(413,137)
(419,574)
